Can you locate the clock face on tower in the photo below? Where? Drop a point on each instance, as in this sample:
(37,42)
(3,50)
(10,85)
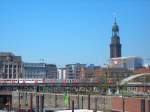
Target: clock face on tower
(115,62)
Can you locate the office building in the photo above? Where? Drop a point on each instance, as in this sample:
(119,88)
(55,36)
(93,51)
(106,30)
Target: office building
(34,70)
(10,65)
(130,63)
(51,71)
(73,71)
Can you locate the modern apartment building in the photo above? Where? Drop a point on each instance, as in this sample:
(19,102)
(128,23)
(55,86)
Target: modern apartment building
(73,71)
(61,73)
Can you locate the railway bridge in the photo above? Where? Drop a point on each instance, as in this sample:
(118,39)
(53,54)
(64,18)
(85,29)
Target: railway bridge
(43,87)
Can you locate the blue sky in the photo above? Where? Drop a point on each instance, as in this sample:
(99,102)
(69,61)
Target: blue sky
(70,31)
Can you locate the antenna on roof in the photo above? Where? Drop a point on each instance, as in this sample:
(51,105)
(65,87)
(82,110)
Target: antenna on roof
(42,60)
(115,14)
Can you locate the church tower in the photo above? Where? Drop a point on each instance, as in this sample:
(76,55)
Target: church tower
(115,46)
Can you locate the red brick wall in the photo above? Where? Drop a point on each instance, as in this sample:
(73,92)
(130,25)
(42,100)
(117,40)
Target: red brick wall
(131,104)
(116,103)
(146,106)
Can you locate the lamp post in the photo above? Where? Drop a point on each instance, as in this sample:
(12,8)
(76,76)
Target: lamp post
(123,101)
(107,70)
(148,59)
(107,75)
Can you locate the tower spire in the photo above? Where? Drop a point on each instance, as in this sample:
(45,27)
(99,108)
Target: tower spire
(115,28)
(115,46)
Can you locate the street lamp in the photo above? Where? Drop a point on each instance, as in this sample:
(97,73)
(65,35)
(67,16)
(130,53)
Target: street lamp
(148,59)
(107,70)
(107,75)
(123,100)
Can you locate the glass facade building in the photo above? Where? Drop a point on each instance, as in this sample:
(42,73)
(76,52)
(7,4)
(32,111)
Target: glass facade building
(34,70)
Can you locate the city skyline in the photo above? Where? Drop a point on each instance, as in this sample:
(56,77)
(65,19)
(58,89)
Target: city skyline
(63,32)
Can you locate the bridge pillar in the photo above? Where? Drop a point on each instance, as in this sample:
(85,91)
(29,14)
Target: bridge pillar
(89,101)
(142,105)
(95,110)
(82,102)
(148,105)
(37,99)
(72,105)
(41,103)
(37,103)
(31,102)
(78,100)
(69,102)
(10,103)
(19,105)
(55,100)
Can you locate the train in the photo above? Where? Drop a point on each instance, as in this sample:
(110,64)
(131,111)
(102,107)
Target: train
(37,81)
(49,81)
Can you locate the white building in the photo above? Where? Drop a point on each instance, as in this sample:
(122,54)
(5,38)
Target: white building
(130,63)
(61,73)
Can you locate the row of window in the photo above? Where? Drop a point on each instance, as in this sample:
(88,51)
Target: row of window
(10,71)
(12,66)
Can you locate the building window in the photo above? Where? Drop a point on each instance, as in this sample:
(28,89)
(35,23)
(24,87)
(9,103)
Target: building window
(14,76)
(10,66)
(14,71)
(6,66)
(5,70)
(10,75)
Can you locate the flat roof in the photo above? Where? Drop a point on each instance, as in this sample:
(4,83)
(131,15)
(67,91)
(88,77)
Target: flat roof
(80,110)
(126,57)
